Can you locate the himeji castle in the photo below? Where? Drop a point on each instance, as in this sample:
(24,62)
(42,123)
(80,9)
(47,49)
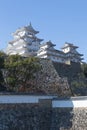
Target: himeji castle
(26,43)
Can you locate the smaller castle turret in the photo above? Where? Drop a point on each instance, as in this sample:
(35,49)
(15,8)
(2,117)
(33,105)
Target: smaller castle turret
(71,52)
(48,51)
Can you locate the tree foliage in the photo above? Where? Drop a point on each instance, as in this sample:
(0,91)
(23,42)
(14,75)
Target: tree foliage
(84,68)
(2,57)
(19,70)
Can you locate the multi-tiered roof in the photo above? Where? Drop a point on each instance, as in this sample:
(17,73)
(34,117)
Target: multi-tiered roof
(48,51)
(71,53)
(25,42)
(68,53)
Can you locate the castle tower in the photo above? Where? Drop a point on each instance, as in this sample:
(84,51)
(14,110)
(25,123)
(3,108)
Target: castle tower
(25,42)
(45,49)
(48,51)
(71,52)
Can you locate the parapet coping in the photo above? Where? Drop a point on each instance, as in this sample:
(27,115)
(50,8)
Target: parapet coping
(73,102)
(55,97)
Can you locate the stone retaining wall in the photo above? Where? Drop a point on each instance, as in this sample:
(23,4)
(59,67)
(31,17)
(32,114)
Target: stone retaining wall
(70,71)
(50,82)
(69,119)
(42,116)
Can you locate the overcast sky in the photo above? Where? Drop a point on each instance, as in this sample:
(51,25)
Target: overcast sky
(57,20)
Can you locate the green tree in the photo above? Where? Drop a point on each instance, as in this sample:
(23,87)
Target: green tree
(84,68)
(19,71)
(2,57)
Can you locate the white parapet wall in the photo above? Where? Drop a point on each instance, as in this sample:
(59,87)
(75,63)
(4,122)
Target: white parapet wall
(74,102)
(22,98)
(70,103)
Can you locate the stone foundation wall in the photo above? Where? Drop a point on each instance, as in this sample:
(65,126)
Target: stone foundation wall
(70,71)
(69,119)
(49,82)
(25,117)
(75,76)
(41,116)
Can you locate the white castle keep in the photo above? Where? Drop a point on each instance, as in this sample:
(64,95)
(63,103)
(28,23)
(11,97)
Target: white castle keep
(26,44)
